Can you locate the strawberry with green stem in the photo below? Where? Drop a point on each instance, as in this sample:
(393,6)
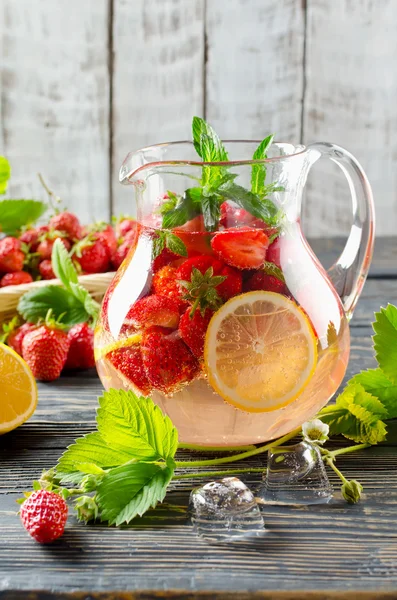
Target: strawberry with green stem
(201,290)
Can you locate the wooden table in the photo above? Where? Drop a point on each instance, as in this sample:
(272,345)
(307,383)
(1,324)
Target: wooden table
(333,547)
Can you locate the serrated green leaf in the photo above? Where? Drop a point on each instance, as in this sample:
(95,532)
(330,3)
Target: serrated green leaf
(175,244)
(14,214)
(183,211)
(158,244)
(272,269)
(385,341)
(62,264)
(5,174)
(90,449)
(211,212)
(130,490)
(258,174)
(375,382)
(127,421)
(262,208)
(36,303)
(207,142)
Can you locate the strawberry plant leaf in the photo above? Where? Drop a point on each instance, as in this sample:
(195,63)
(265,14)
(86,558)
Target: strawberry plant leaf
(36,303)
(258,174)
(15,214)
(5,174)
(62,264)
(136,424)
(385,341)
(375,382)
(130,490)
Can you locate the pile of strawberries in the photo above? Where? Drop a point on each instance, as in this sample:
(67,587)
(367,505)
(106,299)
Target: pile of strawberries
(97,248)
(171,322)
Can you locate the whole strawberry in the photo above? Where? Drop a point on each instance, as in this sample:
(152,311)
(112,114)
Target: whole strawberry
(124,226)
(92,255)
(68,223)
(127,242)
(81,350)
(11,255)
(15,338)
(46,270)
(45,350)
(192,329)
(44,515)
(129,362)
(44,249)
(262,281)
(15,278)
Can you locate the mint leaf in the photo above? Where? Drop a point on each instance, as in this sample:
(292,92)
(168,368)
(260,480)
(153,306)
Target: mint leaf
(90,449)
(136,424)
(385,341)
(375,382)
(183,210)
(258,174)
(158,244)
(356,415)
(62,264)
(5,174)
(207,143)
(36,303)
(211,212)
(14,214)
(175,244)
(130,490)
(262,208)
(272,269)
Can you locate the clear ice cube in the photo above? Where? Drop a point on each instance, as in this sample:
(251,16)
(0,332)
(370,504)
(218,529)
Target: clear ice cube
(295,475)
(225,510)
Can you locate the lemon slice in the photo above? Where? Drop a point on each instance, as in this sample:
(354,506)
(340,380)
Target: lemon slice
(121,343)
(18,390)
(260,351)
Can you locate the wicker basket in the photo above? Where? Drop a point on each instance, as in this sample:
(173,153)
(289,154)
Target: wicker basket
(9,296)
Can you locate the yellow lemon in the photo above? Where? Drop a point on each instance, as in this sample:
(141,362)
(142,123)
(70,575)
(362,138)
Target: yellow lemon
(101,352)
(260,351)
(18,390)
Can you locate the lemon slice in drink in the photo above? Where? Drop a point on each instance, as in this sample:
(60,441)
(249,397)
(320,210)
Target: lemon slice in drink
(121,343)
(260,351)
(18,390)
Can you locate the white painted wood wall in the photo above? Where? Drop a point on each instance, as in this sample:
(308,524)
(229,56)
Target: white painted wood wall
(85,81)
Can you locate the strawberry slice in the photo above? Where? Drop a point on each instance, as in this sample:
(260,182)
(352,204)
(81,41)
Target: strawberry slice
(273,253)
(153,310)
(129,362)
(243,248)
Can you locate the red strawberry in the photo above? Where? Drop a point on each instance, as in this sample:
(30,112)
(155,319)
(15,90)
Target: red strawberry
(193,329)
(164,258)
(273,252)
(129,362)
(30,237)
(68,223)
(165,283)
(233,284)
(261,281)
(167,360)
(105,233)
(244,248)
(15,278)
(15,338)
(127,243)
(92,256)
(81,349)
(125,225)
(44,249)
(45,350)
(154,310)
(202,263)
(46,270)
(232,216)
(11,255)
(44,515)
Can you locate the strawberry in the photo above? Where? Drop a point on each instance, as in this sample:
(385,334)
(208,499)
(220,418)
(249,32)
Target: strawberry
(127,243)
(233,284)
(44,249)
(129,362)
(164,258)
(81,349)
(192,330)
(15,338)
(92,255)
(105,233)
(11,255)
(154,310)
(46,270)
(45,349)
(244,247)
(32,237)
(44,515)
(202,263)
(16,278)
(232,216)
(273,252)
(165,283)
(124,226)
(262,281)
(68,223)
(167,360)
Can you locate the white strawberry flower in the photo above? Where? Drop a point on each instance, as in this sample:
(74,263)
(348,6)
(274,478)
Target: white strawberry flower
(315,431)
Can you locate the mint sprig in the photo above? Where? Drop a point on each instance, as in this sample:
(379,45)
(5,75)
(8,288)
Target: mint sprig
(164,238)
(258,175)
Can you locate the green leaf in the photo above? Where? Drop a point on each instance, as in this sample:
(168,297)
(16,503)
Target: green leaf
(385,341)
(272,269)
(137,424)
(375,382)
(207,142)
(175,244)
(356,415)
(258,175)
(5,174)
(130,490)
(211,212)
(62,264)
(14,214)
(158,244)
(262,208)
(36,303)
(183,211)
(90,449)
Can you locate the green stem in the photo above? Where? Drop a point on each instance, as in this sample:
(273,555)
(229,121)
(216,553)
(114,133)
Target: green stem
(218,473)
(330,463)
(334,453)
(236,457)
(215,448)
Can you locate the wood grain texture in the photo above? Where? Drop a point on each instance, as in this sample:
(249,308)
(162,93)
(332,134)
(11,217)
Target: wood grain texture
(55,100)
(350,99)
(254,68)
(157,77)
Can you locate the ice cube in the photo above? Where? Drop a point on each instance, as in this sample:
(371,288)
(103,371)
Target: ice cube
(295,475)
(225,510)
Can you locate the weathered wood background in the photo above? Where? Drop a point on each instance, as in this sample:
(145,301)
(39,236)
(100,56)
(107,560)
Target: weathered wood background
(84,82)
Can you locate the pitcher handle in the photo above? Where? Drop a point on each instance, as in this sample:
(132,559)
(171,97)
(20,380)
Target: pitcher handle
(350,271)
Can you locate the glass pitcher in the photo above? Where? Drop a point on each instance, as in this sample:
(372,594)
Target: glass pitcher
(221,313)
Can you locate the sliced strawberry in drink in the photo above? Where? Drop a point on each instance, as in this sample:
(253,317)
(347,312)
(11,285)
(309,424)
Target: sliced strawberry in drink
(243,248)
(129,362)
(273,253)
(154,310)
